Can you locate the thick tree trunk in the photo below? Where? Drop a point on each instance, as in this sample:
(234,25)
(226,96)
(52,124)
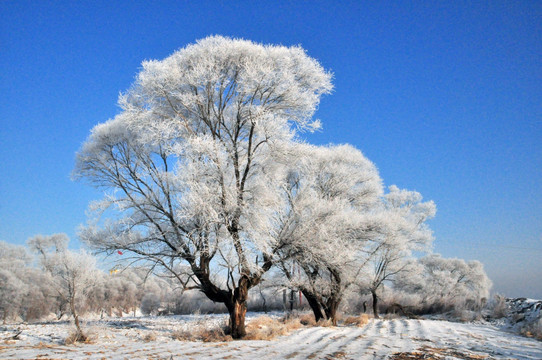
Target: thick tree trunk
(375,304)
(235,302)
(237,308)
(238,312)
(331,310)
(315,306)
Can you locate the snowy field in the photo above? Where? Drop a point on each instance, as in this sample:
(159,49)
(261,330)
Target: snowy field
(151,338)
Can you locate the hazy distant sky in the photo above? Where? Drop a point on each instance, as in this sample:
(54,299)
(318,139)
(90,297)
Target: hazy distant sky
(445,98)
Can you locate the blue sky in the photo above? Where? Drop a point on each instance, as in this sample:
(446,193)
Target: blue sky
(445,98)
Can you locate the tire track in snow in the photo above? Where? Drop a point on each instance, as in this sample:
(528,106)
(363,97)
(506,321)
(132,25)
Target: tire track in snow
(322,343)
(342,345)
(312,351)
(375,342)
(393,326)
(301,341)
(405,325)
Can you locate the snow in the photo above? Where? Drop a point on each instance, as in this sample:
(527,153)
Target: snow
(120,338)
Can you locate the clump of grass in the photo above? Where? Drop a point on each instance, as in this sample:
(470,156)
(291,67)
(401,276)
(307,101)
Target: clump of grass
(359,321)
(499,308)
(149,337)
(77,336)
(267,328)
(200,332)
(307,320)
(324,323)
(533,330)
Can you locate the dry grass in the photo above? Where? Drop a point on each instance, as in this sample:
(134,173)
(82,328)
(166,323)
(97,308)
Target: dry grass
(307,319)
(77,336)
(499,307)
(324,323)
(437,354)
(260,328)
(149,337)
(533,330)
(336,355)
(359,321)
(267,328)
(201,333)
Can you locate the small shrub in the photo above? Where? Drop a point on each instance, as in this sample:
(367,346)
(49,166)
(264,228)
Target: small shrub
(499,308)
(324,323)
(307,320)
(533,330)
(214,335)
(267,328)
(77,336)
(149,337)
(200,332)
(359,321)
(183,335)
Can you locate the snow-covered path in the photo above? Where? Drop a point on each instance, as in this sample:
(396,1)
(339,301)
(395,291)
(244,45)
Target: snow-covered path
(379,339)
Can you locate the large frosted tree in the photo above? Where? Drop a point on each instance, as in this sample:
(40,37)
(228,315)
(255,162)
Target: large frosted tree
(327,220)
(446,283)
(193,162)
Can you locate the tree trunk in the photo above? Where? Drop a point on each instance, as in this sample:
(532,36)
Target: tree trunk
(264,300)
(315,305)
(237,312)
(237,308)
(375,304)
(79,333)
(331,310)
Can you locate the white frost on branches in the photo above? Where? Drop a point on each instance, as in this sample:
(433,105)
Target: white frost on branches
(193,161)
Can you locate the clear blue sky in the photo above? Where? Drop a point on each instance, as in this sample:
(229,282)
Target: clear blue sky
(445,98)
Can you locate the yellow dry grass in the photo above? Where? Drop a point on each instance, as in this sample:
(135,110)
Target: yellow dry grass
(267,328)
(149,337)
(200,333)
(307,319)
(324,323)
(77,336)
(359,321)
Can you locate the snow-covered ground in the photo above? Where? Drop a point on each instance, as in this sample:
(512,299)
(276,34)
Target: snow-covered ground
(151,338)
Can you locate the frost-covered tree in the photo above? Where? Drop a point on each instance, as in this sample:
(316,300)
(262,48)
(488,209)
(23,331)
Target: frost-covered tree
(150,304)
(71,273)
(13,264)
(445,283)
(326,222)
(193,162)
(23,289)
(402,231)
(121,290)
(12,290)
